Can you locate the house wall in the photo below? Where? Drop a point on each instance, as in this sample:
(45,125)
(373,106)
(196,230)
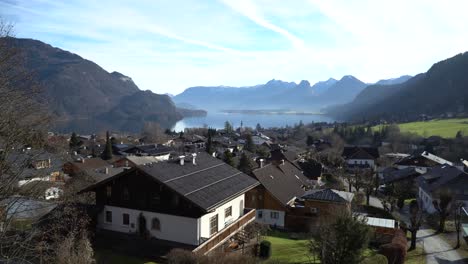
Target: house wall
(265,216)
(172,228)
(361,162)
(265,204)
(426,201)
(237,204)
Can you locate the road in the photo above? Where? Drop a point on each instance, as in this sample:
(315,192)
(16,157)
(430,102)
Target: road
(437,250)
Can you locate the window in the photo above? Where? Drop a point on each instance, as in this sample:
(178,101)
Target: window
(125,194)
(213,224)
(109,191)
(155,224)
(313,210)
(228,212)
(125,219)
(260,214)
(274,215)
(109,216)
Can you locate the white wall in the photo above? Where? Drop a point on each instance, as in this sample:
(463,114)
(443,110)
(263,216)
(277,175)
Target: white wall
(426,201)
(173,228)
(237,211)
(360,162)
(266,217)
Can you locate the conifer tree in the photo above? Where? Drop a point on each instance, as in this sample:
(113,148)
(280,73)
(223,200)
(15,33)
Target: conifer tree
(107,154)
(244,164)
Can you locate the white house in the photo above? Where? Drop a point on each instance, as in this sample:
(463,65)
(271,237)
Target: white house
(360,156)
(442,178)
(188,200)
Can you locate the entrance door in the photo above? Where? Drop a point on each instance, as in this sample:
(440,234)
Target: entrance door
(142,225)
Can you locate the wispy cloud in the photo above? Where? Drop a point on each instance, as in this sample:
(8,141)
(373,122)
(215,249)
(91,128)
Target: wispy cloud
(248,9)
(167,46)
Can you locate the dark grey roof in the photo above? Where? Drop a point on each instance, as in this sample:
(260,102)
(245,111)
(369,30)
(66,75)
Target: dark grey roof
(439,176)
(207,184)
(26,208)
(398,175)
(284,182)
(360,152)
(329,195)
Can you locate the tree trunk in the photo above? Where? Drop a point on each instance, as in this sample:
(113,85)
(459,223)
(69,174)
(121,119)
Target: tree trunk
(413,239)
(368,198)
(442,223)
(350,187)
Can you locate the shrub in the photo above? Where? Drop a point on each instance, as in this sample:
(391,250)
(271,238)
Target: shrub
(265,249)
(376,259)
(396,250)
(180,256)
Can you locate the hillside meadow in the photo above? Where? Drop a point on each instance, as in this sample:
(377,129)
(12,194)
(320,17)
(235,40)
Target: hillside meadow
(446,128)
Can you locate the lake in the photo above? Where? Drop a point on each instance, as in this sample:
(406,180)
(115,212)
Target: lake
(217,120)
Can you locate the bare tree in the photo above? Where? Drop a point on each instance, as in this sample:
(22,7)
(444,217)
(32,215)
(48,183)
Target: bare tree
(415,222)
(153,133)
(23,124)
(443,205)
(458,218)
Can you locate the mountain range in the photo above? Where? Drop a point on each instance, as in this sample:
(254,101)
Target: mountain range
(277,94)
(441,91)
(75,88)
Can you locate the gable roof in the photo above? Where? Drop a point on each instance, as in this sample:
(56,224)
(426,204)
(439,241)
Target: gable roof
(439,176)
(328,195)
(360,152)
(284,182)
(394,175)
(207,184)
(424,159)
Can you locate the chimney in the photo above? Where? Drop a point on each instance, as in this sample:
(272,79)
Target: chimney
(194,158)
(181,160)
(214,154)
(282,162)
(106,171)
(126,163)
(261,163)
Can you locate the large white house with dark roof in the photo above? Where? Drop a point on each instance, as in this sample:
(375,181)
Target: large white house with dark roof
(188,200)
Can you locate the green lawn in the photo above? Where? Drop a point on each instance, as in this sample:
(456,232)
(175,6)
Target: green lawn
(446,128)
(107,256)
(287,250)
(416,256)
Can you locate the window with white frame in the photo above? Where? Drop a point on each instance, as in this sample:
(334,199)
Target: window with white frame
(228,212)
(274,215)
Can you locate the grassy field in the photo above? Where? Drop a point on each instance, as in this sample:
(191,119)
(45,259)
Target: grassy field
(446,128)
(287,250)
(107,256)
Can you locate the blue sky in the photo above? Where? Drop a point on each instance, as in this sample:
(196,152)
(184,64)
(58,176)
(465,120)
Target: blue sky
(169,45)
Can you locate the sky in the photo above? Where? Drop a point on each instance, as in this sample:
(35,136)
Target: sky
(169,45)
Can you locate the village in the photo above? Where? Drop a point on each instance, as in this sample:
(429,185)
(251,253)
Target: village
(264,194)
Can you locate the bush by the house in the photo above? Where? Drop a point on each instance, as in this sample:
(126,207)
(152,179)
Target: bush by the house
(396,250)
(265,249)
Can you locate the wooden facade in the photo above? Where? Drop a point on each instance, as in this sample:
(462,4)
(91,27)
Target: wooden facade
(139,191)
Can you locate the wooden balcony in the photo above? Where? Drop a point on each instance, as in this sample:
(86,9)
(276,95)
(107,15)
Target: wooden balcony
(229,231)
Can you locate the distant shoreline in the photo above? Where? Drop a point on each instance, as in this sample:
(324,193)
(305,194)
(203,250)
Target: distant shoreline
(269,112)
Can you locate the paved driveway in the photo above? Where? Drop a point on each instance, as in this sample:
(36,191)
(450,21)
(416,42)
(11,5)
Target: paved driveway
(437,250)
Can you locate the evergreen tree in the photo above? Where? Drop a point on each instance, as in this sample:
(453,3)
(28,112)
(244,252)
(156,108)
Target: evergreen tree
(228,158)
(107,154)
(209,144)
(258,127)
(310,140)
(74,141)
(249,144)
(244,164)
(459,134)
(228,127)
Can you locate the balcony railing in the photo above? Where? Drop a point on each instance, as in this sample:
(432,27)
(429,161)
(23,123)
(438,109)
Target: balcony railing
(223,235)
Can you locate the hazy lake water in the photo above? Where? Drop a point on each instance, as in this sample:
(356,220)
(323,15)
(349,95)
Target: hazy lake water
(213,119)
(217,120)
